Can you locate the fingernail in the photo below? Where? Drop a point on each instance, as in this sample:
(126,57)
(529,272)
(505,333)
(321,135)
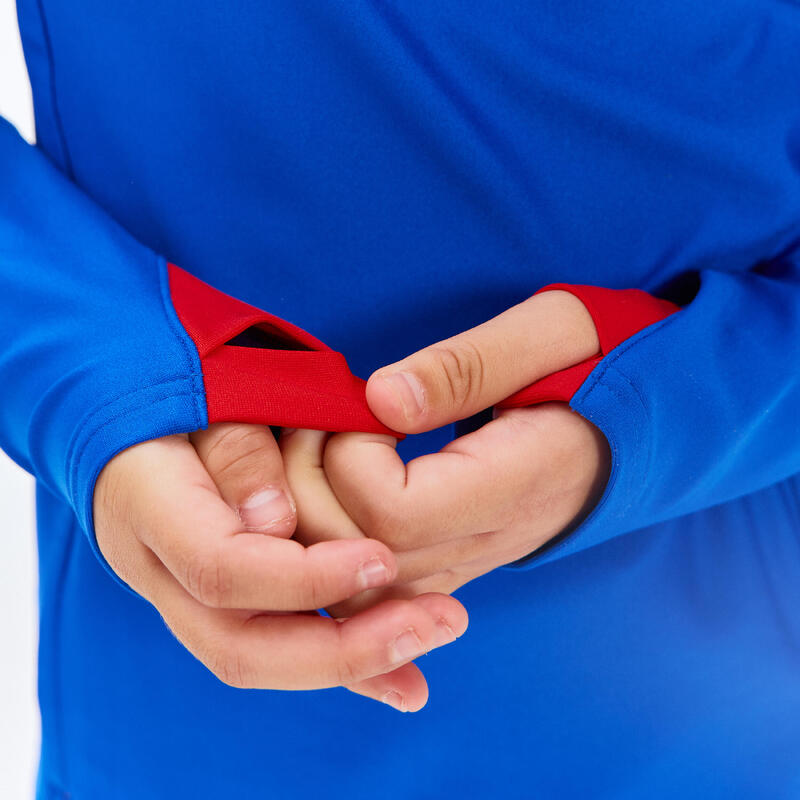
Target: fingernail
(373,573)
(394,699)
(288,431)
(409,392)
(406,646)
(444,634)
(265,509)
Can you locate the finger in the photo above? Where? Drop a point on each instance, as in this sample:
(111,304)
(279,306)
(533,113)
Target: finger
(182,518)
(239,646)
(445,568)
(488,548)
(446,581)
(465,374)
(405,689)
(246,465)
(484,482)
(474,485)
(320,516)
(441,569)
(303,651)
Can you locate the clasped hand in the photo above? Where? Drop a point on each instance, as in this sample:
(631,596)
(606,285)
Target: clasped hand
(236,540)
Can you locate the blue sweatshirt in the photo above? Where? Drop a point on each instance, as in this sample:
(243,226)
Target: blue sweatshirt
(386,174)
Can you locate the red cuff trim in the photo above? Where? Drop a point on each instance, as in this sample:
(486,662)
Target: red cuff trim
(618,314)
(307,387)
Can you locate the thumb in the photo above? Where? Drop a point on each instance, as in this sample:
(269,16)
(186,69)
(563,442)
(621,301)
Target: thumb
(468,373)
(246,465)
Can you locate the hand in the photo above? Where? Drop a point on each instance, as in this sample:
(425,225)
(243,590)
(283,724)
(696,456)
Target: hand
(486,499)
(199,525)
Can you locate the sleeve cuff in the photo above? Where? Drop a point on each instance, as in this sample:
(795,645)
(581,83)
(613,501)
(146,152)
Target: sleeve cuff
(597,390)
(277,375)
(618,314)
(599,400)
(156,411)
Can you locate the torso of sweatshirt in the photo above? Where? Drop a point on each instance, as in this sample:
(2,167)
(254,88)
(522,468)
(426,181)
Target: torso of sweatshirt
(388,173)
(384,174)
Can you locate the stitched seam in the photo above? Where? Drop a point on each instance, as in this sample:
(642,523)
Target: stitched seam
(122,414)
(614,444)
(62,139)
(603,368)
(92,480)
(73,461)
(193,377)
(190,351)
(613,478)
(597,378)
(620,349)
(648,456)
(648,449)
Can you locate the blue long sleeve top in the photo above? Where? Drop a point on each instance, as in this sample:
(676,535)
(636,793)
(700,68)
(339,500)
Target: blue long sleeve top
(387,174)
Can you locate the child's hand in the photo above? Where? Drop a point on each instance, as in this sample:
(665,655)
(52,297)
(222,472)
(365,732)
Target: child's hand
(174,519)
(486,499)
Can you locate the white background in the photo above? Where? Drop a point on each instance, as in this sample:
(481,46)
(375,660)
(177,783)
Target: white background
(19,715)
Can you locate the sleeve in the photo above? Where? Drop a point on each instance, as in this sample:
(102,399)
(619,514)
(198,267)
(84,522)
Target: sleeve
(699,405)
(104,345)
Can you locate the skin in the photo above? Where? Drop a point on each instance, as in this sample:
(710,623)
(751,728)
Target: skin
(486,499)
(200,525)
(240,597)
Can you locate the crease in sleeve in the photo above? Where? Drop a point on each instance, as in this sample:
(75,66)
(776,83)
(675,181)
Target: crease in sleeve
(610,401)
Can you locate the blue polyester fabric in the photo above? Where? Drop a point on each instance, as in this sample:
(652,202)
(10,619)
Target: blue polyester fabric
(386,174)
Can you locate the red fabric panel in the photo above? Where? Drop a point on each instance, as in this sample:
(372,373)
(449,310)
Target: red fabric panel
(313,387)
(212,317)
(307,388)
(618,314)
(560,386)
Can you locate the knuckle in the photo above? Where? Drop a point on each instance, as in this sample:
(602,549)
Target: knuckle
(380,517)
(342,454)
(337,455)
(208,579)
(462,371)
(229,666)
(347,670)
(401,614)
(383,521)
(311,590)
(236,450)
